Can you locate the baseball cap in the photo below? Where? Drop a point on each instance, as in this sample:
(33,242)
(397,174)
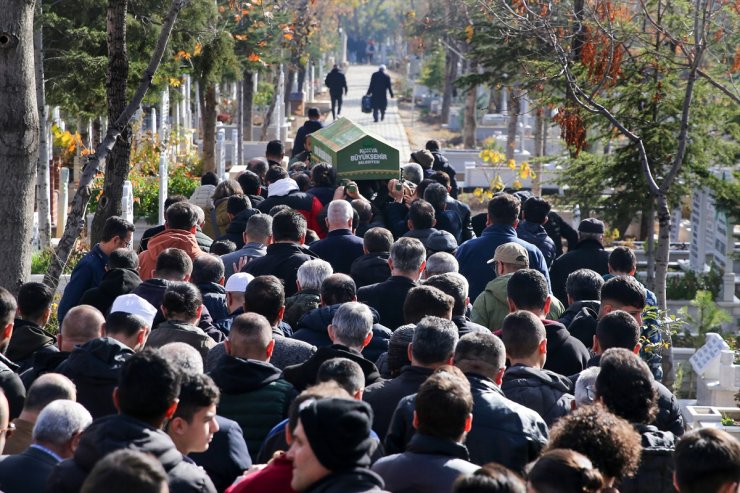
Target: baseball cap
(511,253)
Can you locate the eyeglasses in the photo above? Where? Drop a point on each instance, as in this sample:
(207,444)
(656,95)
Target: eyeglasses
(9,430)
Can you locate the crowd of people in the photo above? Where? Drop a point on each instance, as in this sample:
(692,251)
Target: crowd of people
(286,332)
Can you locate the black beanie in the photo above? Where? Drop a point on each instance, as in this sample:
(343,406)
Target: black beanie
(339,432)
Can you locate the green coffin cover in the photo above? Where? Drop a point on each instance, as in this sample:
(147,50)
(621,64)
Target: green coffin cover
(354,152)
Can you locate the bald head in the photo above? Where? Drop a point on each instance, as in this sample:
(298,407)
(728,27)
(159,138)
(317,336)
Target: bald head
(82,323)
(47,388)
(250,337)
(339,215)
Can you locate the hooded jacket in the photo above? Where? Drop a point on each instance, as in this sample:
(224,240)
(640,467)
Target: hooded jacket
(204,241)
(43,362)
(540,390)
(235,229)
(583,324)
(27,339)
(304,375)
(214,298)
(359,480)
(217,218)
(282,261)
(311,328)
(655,473)
(254,395)
(94,368)
(573,310)
(12,385)
(371,268)
(115,283)
(117,432)
(308,205)
(566,355)
(169,238)
(536,235)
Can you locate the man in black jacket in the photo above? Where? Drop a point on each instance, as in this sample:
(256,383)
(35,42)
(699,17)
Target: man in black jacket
(589,253)
(407,261)
(146,396)
(10,382)
(380,82)
(527,290)
(340,247)
(350,331)
(283,190)
(336,290)
(503,431)
(461,208)
(29,335)
(286,253)
(455,285)
(208,277)
(337,84)
(310,126)
(442,164)
(95,366)
(432,346)
(584,294)
(372,267)
(525,381)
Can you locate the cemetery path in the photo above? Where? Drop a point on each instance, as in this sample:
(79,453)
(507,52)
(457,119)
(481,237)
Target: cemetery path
(391,129)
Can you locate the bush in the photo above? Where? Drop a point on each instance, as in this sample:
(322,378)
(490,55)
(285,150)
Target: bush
(40,261)
(687,286)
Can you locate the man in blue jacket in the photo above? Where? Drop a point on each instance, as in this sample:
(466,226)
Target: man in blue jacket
(89,271)
(501,222)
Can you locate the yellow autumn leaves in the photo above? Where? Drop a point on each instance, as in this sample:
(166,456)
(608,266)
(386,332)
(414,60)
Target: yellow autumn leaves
(497,159)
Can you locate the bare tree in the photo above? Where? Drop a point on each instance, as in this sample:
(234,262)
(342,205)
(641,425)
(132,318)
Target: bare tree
(19,140)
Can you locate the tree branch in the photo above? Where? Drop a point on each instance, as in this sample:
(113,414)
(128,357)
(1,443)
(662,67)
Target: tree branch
(75,220)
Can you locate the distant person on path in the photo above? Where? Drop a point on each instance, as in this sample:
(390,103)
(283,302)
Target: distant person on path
(337,84)
(380,82)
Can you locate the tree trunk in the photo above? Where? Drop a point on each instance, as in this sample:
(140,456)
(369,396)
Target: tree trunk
(43,195)
(662,252)
(539,127)
(270,110)
(209,111)
(492,100)
(239,124)
(248,104)
(19,132)
(450,76)
(471,121)
(82,196)
(514,106)
(117,166)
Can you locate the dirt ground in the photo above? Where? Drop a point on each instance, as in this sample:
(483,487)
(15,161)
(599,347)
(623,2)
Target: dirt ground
(424,129)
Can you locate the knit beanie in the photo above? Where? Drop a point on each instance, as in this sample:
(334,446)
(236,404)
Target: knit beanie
(339,432)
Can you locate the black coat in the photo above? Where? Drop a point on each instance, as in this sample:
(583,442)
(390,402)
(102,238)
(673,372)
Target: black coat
(214,298)
(387,298)
(235,229)
(336,82)
(380,82)
(463,211)
(583,324)
(111,433)
(340,248)
(655,473)
(441,163)
(282,261)
(385,395)
(27,339)
(94,368)
(115,283)
(371,268)
(358,480)
(227,455)
(430,465)
(311,328)
(588,254)
(540,390)
(309,127)
(466,326)
(43,362)
(303,375)
(573,310)
(26,472)
(503,431)
(566,355)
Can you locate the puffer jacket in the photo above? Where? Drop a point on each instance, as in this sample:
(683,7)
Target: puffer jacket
(169,238)
(111,433)
(542,391)
(94,367)
(299,304)
(656,465)
(27,339)
(115,283)
(503,431)
(311,328)
(254,395)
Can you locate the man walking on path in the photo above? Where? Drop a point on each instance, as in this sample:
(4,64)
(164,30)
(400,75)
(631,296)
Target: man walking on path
(380,82)
(337,84)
